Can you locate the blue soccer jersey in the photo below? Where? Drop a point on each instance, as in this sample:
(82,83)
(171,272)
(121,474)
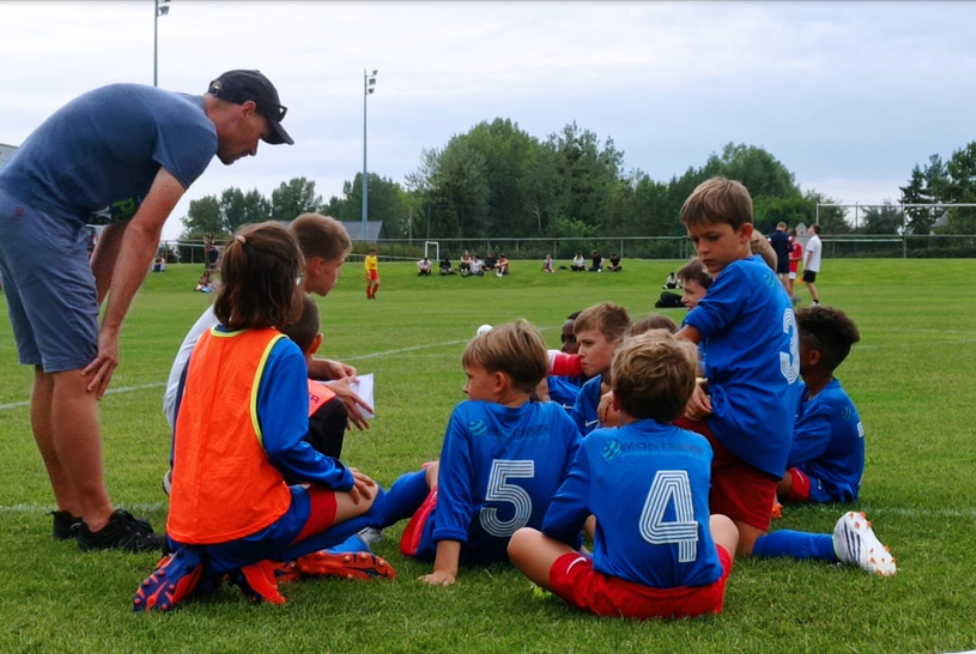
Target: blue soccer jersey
(564,390)
(828,444)
(587,403)
(752,363)
(647,484)
(499,469)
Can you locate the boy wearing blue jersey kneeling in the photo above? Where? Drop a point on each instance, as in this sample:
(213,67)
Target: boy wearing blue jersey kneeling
(657,553)
(502,460)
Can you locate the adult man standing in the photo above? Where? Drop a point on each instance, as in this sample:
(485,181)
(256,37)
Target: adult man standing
(121,156)
(780,241)
(811,263)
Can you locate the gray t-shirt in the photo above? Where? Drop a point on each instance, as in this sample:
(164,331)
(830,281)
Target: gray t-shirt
(95,159)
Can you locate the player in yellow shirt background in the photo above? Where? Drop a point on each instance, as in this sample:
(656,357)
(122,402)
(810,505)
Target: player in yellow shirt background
(372,274)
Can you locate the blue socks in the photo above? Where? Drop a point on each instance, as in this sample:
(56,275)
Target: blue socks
(796,544)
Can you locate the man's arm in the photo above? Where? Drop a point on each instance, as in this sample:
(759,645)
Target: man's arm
(139,242)
(104,257)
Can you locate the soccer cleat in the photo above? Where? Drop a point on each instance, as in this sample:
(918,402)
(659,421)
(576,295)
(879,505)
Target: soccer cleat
(371,536)
(176,576)
(856,544)
(168,481)
(347,565)
(64,525)
(123,532)
(259,581)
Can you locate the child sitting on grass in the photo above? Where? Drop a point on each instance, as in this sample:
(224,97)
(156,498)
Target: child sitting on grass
(827,458)
(242,424)
(599,330)
(657,552)
(502,460)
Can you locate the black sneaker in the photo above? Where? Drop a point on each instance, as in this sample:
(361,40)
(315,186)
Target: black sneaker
(123,532)
(64,524)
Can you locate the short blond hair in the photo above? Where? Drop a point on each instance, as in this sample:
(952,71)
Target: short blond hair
(321,236)
(610,319)
(653,321)
(515,349)
(654,376)
(718,200)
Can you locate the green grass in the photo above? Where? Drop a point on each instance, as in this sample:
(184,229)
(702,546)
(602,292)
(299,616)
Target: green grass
(911,377)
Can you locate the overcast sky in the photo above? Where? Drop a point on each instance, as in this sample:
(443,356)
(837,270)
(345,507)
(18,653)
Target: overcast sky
(848,95)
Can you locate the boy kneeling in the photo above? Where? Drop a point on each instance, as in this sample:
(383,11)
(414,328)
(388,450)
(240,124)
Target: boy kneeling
(656,551)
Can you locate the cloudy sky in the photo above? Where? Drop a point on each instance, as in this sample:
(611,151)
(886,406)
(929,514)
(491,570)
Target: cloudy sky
(848,95)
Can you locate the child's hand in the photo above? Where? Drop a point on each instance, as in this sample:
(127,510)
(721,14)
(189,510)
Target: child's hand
(438,578)
(606,413)
(362,486)
(699,406)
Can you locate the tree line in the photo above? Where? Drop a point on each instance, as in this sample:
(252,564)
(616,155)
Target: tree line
(498,181)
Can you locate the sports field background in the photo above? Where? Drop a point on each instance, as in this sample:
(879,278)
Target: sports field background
(911,378)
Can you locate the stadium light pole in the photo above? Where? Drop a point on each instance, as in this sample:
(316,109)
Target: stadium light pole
(369,85)
(162,9)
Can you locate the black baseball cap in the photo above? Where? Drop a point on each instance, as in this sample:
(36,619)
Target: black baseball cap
(239,86)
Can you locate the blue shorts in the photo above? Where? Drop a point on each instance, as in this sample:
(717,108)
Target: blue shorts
(49,286)
(274,541)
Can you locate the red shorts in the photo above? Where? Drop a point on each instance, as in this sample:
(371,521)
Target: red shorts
(373,275)
(739,490)
(573,578)
(800,490)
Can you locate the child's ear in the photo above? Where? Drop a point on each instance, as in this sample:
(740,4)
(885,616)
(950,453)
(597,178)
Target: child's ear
(615,405)
(745,230)
(814,357)
(501,381)
(316,344)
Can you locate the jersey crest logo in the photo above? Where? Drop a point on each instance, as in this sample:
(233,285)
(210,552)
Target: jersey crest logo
(478,428)
(611,450)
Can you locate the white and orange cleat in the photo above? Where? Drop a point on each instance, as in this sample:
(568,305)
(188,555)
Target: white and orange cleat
(856,544)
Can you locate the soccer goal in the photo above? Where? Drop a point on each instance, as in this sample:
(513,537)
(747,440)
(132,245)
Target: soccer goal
(437,250)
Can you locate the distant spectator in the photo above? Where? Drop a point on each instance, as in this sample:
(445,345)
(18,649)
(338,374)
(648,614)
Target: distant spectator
(465,266)
(615,263)
(445,266)
(502,267)
(811,263)
(579,263)
(159,264)
(780,242)
(672,282)
(597,262)
(477,266)
(796,255)
(491,261)
(210,252)
(423,267)
(203,284)
(547,264)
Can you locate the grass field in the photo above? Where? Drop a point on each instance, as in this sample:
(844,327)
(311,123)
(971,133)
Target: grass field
(911,377)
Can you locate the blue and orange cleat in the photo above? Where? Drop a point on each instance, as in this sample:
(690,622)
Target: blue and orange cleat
(347,565)
(259,581)
(176,577)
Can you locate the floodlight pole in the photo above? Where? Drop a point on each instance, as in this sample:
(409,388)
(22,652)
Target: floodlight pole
(369,83)
(161,9)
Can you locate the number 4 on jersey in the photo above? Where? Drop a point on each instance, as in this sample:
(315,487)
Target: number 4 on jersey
(671,487)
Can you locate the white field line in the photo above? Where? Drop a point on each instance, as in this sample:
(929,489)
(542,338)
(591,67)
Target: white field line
(361,357)
(111,391)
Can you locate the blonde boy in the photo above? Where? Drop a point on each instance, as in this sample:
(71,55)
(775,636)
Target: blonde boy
(503,457)
(656,551)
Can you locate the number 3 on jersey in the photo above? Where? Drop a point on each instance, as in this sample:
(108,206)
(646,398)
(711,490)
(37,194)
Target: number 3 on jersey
(499,490)
(671,487)
(789,362)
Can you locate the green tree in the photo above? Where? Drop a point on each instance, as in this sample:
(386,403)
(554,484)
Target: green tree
(203,217)
(294,198)
(238,208)
(387,201)
(887,219)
